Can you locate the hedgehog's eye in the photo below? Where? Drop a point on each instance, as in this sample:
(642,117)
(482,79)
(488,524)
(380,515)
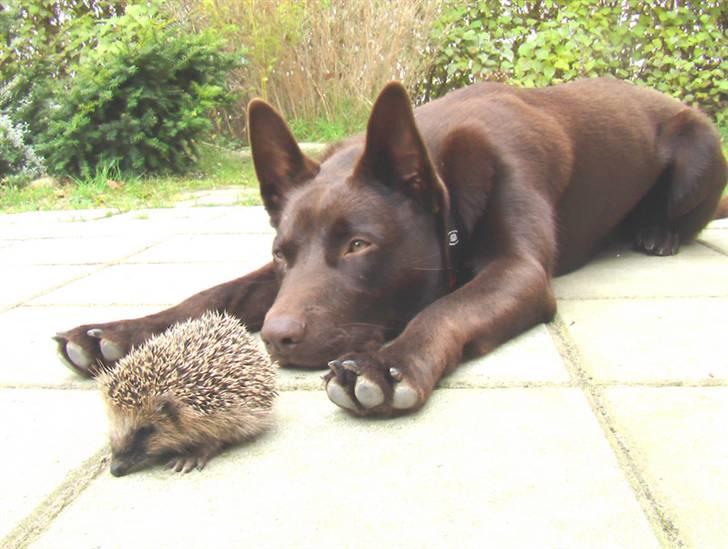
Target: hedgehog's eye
(147,430)
(140,439)
(143,433)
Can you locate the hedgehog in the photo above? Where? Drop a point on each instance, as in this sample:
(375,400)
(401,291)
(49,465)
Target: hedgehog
(186,394)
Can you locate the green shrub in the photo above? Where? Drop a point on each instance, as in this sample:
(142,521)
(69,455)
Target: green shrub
(18,161)
(138,99)
(678,49)
(40,44)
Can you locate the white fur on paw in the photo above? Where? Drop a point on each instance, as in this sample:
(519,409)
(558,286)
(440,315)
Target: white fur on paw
(368,393)
(77,355)
(338,395)
(404,397)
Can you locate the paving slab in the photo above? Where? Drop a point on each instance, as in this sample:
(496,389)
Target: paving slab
(159,222)
(531,358)
(716,237)
(194,221)
(28,355)
(50,224)
(88,250)
(649,341)
(219,197)
(677,436)
(618,273)
(171,214)
(21,283)
(208,248)
(44,434)
(146,284)
(253,219)
(717,224)
(506,467)
(53,216)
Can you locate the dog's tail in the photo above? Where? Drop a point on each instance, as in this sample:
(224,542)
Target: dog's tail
(722,210)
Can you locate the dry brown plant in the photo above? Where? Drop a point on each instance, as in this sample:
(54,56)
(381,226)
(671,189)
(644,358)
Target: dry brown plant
(318,59)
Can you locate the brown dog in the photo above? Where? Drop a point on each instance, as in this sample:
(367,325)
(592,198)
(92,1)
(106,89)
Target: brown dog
(436,234)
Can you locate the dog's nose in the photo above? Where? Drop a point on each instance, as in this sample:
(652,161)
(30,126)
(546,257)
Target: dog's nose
(282,333)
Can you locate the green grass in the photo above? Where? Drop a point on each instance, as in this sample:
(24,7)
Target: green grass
(322,130)
(216,169)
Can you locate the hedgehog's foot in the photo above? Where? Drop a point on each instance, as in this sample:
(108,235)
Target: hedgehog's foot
(90,348)
(195,459)
(364,384)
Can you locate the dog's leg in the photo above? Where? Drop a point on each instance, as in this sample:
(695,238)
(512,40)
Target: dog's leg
(247,298)
(686,194)
(511,292)
(510,295)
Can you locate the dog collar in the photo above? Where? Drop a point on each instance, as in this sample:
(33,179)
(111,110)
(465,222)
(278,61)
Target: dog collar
(454,241)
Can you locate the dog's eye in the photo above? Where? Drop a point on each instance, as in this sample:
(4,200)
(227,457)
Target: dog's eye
(278,255)
(357,245)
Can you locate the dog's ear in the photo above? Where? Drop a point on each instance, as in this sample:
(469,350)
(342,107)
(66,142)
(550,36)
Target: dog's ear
(395,154)
(279,163)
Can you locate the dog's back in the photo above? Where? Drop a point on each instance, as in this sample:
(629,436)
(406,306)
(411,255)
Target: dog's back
(598,149)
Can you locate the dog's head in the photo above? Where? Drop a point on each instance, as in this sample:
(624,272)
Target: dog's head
(360,237)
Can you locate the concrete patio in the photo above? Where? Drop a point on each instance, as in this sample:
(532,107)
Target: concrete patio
(605,428)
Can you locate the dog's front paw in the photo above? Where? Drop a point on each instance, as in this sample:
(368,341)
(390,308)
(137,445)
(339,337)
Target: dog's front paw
(88,349)
(368,385)
(657,240)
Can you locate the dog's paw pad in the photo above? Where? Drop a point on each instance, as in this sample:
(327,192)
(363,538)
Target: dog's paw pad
(338,395)
(405,397)
(110,350)
(78,355)
(368,393)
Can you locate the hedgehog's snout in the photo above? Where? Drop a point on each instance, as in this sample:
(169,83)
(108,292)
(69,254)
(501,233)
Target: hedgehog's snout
(119,468)
(124,463)
(130,451)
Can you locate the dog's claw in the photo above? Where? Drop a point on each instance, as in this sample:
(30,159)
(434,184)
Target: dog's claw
(95,333)
(352,366)
(337,367)
(396,374)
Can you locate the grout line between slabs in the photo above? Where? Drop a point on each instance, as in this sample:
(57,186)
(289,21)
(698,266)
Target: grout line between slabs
(634,297)
(68,386)
(712,247)
(305,385)
(41,517)
(101,267)
(662,524)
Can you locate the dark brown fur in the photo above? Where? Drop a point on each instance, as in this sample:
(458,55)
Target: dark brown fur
(536,180)
(722,210)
